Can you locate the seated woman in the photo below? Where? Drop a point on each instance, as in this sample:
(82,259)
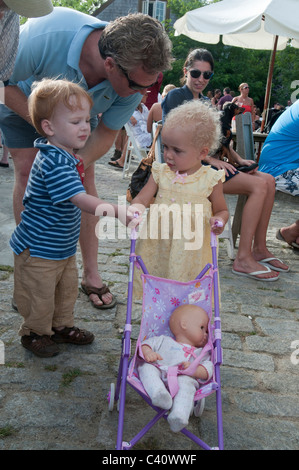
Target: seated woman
(138,122)
(253,259)
(280,158)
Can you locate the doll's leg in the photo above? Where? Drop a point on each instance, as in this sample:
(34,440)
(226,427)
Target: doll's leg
(150,377)
(178,417)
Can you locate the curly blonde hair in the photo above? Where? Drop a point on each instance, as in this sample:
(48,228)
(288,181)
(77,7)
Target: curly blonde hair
(200,119)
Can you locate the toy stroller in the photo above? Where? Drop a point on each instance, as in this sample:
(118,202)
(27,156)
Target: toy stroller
(160,298)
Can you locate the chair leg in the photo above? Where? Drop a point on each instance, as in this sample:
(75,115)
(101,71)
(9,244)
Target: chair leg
(127,161)
(236,227)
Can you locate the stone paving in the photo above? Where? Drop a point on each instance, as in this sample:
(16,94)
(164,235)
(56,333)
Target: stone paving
(60,403)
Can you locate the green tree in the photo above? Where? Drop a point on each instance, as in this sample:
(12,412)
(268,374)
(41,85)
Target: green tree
(234,65)
(86,6)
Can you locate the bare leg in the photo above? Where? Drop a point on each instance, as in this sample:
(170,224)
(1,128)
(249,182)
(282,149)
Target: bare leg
(291,233)
(256,189)
(121,160)
(5,154)
(260,250)
(89,245)
(22,159)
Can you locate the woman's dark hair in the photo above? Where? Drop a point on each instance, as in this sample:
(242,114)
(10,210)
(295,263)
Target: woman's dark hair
(202,55)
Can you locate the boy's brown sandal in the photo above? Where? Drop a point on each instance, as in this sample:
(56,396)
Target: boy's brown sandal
(72,335)
(41,346)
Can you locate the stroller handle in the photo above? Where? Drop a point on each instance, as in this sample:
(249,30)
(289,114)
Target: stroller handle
(217,223)
(134,231)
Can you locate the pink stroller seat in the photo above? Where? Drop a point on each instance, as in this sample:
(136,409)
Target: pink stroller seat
(160,298)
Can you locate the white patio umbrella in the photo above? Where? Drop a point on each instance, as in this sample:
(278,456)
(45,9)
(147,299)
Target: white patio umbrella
(252,24)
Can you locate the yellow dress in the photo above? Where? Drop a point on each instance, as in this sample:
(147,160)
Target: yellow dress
(174,241)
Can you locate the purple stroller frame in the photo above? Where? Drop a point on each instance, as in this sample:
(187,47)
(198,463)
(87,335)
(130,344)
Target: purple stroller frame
(119,394)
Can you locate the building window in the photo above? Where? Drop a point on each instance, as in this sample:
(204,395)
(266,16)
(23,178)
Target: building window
(154,8)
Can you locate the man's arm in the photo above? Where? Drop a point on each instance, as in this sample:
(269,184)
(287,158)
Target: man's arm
(17,101)
(100,141)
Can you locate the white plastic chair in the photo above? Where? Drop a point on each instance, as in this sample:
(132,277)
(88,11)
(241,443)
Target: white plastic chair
(132,149)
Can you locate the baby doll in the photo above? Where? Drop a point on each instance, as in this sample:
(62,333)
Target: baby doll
(189,325)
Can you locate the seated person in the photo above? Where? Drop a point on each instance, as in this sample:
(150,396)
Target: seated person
(280,158)
(138,123)
(280,153)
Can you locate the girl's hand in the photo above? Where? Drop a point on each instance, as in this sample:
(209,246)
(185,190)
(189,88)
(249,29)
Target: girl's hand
(217,225)
(133,216)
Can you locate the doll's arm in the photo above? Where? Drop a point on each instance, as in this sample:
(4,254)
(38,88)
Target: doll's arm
(150,355)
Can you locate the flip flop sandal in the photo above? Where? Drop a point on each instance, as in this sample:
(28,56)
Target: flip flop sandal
(115,165)
(254,275)
(72,335)
(280,237)
(267,262)
(100,291)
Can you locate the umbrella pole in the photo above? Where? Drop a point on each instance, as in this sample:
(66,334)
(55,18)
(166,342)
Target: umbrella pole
(268,91)
(269,82)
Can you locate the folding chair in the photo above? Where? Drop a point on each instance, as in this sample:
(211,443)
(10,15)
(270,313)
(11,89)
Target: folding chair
(245,148)
(158,145)
(132,149)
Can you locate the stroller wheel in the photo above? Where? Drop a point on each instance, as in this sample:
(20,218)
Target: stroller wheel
(110,397)
(199,407)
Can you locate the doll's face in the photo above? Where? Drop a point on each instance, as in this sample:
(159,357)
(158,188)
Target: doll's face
(189,324)
(197,329)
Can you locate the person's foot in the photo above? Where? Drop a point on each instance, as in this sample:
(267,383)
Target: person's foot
(290,234)
(100,296)
(116,155)
(115,164)
(271,261)
(250,266)
(41,346)
(72,335)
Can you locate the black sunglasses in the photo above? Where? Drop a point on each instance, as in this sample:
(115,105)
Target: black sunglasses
(133,85)
(197,73)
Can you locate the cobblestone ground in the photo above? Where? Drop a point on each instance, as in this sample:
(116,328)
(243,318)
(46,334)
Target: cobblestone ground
(60,403)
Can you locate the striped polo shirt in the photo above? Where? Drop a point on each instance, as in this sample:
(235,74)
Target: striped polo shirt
(50,223)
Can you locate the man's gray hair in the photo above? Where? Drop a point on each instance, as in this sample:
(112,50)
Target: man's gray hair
(137,39)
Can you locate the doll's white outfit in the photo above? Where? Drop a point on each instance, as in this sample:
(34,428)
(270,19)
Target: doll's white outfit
(155,382)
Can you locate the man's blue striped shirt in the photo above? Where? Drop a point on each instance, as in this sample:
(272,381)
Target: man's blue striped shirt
(50,224)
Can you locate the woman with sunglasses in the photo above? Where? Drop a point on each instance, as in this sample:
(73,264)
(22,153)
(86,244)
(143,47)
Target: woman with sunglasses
(253,258)
(198,70)
(244,101)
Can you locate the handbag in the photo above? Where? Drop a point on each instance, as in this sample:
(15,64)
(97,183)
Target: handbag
(141,175)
